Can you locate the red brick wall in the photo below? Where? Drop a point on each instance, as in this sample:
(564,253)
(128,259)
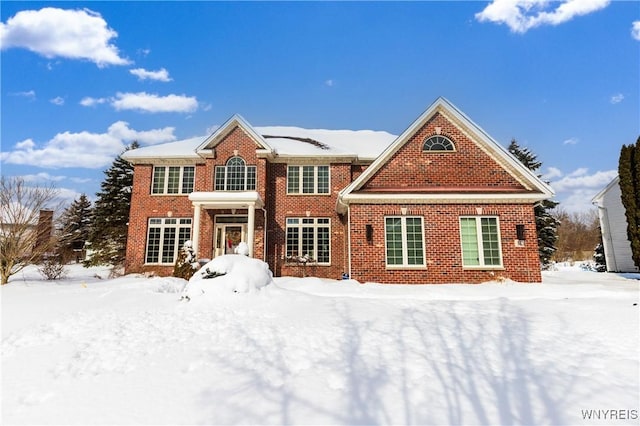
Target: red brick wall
(281,206)
(443,253)
(144,206)
(468,166)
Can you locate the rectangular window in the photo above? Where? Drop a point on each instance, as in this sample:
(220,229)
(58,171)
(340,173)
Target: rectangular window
(232,178)
(309,237)
(173,179)
(480,239)
(404,241)
(308,180)
(165,237)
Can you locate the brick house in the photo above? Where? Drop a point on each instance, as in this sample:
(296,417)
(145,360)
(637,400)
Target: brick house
(441,203)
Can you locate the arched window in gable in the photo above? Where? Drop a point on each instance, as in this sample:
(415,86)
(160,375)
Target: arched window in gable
(438,143)
(235,176)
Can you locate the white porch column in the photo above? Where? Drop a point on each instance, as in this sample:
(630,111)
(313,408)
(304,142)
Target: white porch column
(251,224)
(195,239)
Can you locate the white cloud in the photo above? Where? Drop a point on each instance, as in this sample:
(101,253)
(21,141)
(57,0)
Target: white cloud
(26,144)
(160,75)
(635,30)
(617,98)
(580,179)
(153,103)
(576,189)
(42,178)
(29,94)
(89,101)
(121,130)
(581,171)
(571,141)
(522,15)
(84,149)
(552,172)
(52,32)
(57,100)
(146,102)
(329,83)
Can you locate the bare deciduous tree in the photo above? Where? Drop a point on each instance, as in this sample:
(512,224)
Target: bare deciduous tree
(22,240)
(578,234)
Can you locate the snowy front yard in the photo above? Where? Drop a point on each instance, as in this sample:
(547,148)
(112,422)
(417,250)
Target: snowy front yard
(307,351)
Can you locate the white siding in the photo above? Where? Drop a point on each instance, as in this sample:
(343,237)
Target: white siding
(617,248)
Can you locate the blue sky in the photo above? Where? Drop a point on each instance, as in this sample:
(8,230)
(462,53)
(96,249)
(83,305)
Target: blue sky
(81,80)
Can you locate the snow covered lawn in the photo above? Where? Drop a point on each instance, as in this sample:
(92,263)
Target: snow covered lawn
(308,351)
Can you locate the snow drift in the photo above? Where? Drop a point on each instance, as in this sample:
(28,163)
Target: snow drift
(232,273)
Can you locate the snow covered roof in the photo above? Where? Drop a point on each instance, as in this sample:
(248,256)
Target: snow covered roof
(295,141)
(184,149)
(283,141)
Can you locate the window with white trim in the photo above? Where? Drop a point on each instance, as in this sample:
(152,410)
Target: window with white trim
(480,238)
(404,241)
(173,179)
(308,180)
(235,176)
(165,236)
(310,237)
(438,143)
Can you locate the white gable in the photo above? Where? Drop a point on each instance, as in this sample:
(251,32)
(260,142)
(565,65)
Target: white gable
(613,223)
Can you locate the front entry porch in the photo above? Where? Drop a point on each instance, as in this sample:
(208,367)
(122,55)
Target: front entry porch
(231,220)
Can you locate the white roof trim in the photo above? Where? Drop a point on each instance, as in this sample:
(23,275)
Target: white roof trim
(455,197)
(598,197)
(227,127)
(531,181)
(222,199)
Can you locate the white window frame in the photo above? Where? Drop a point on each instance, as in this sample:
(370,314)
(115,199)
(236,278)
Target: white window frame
(405,246)
(443,140)
(165,187)
(300,169)
(226,180)
(304,222)
(164,223)
(480,243)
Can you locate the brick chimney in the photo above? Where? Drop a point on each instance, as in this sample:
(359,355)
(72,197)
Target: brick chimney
(44,229)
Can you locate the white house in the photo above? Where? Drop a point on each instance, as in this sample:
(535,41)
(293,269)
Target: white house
(613,223)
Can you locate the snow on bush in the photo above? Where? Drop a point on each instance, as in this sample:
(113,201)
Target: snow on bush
(231,272)
(242,248)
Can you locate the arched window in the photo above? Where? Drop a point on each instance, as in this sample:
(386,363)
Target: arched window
(235,176)
(438,143)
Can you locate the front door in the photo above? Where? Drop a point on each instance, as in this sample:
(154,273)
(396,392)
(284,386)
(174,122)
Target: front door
(228,236)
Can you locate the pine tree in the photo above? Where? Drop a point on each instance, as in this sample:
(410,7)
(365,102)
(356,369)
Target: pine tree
(629,173)
(186,264)
(108,239)
(546,224)
(75,227)
(599,258)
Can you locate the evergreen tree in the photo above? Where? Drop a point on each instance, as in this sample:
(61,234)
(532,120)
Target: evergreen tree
(108,238)
(546,224)
(186,264)
(599,258)
(629,173)
(75,227)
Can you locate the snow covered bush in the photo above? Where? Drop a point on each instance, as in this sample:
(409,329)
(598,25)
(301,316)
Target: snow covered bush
(186,263)
(302,262)
(230,273)
(52,268)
